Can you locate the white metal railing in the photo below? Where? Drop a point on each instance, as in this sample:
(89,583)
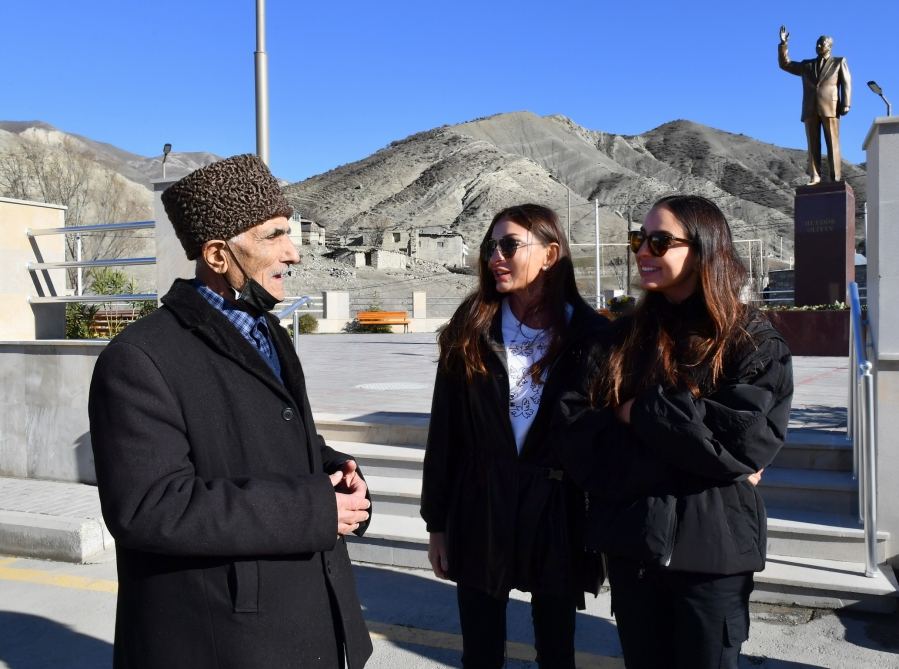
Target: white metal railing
(861,428)
(294,310)
(80,264)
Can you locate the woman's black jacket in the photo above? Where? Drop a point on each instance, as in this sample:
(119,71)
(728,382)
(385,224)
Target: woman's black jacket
(671,488)
(511,521)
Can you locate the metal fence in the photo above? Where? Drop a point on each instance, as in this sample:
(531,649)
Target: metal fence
(81,264)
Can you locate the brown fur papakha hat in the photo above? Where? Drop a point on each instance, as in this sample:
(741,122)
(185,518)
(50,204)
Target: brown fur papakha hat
(221,200)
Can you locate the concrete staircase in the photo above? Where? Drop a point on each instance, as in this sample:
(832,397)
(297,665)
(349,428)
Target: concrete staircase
(815,543)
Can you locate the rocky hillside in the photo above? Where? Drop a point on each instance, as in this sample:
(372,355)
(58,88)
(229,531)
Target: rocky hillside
(137,169)
(459,176)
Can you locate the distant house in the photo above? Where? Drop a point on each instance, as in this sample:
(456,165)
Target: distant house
(432,243)
(306,231)
(313,233)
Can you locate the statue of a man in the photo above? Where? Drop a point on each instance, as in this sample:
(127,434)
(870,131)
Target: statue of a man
(826,90)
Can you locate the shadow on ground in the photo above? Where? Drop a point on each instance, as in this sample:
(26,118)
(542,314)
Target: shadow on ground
(819,416)
(33,642)
(407,600)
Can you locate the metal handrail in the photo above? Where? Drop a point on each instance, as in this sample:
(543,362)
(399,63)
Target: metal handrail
(861,428)
(100,227)
(100,262)
(93,299)
(294,310)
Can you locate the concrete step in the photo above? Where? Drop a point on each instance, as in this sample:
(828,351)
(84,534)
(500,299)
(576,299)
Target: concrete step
(402,541)
(394,495)
(810,490)
(816,449)
(793,533)
(390,428)
(384,459)
(826,584)
(52,520)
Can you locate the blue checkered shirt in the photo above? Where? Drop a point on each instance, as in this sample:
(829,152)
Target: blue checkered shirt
(254,330)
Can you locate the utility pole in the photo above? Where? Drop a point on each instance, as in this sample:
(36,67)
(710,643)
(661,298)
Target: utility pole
(627,252)
(598,255)
(261,61)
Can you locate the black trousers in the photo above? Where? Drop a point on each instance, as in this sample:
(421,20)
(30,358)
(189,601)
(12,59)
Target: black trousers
(483,620)
(679,620)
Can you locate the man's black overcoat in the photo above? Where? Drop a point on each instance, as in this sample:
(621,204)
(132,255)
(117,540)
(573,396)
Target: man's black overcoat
(213,482)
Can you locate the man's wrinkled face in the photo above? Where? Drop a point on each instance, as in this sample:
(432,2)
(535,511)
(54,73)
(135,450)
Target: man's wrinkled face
(265,252)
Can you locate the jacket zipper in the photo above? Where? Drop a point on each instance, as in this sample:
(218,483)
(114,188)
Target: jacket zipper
(673,534)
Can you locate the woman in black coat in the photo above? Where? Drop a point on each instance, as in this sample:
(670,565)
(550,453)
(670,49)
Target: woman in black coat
(498,508)
(694,392)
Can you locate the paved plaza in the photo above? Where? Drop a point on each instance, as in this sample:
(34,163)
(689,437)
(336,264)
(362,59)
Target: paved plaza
(61,615)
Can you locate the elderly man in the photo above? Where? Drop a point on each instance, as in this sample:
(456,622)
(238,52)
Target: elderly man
(826,93)
(227,507)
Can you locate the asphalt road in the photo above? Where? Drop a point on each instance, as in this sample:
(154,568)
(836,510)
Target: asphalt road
(58,615)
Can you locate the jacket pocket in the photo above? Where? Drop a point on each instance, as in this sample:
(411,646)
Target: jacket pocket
(742,517)
(243,584)
(736,629)
(644,530)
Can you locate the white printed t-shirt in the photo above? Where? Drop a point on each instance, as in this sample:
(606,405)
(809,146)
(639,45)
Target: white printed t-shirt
(524,346)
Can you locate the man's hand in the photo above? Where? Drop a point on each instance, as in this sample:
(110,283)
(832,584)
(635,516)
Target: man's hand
(756,478)
(437,554)
(351,506)
(844,110)
(350,483)
(784,35)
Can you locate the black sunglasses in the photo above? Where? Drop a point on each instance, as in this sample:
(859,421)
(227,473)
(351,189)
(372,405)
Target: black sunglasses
(507,247)
(659,242)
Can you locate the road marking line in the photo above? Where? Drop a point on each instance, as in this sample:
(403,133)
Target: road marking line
(514,650)
(58,580)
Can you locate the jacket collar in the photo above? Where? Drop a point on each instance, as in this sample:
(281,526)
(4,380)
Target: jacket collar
(196,314)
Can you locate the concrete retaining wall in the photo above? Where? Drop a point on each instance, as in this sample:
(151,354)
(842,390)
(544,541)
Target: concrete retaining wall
(43,409)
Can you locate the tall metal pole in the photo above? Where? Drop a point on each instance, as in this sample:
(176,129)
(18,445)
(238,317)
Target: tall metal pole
(78,254)
(261,60)
(569,213)
(598,255)
(627,252)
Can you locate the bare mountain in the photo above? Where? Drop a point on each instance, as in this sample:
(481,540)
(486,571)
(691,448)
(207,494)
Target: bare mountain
(138,169)
(459,176)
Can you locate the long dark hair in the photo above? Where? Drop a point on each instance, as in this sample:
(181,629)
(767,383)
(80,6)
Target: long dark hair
(655,349)
(463,341)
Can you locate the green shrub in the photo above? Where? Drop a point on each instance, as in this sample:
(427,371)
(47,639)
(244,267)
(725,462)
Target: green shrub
(308,325)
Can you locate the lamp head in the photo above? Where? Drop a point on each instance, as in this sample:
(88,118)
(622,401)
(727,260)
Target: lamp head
(874,87)
(166,149)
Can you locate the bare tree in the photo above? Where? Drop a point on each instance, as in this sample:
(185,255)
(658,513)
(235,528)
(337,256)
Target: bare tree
(67,174)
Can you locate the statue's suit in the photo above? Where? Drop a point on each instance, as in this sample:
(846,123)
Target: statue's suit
(826,90)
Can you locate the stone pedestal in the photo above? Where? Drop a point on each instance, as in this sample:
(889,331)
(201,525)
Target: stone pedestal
(824,243)
(171,262)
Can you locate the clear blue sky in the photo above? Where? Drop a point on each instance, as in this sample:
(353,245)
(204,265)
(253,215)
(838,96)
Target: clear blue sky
(347,78)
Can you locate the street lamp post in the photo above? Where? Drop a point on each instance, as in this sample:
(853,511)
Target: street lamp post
(166,150)
(879,91)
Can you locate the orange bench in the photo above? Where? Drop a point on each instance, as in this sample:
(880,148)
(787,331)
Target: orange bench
(384,318)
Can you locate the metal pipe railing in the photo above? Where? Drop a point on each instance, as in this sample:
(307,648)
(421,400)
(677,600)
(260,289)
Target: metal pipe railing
(93,299)
(100,262)
(861,427)
(100,227)
(294,310)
